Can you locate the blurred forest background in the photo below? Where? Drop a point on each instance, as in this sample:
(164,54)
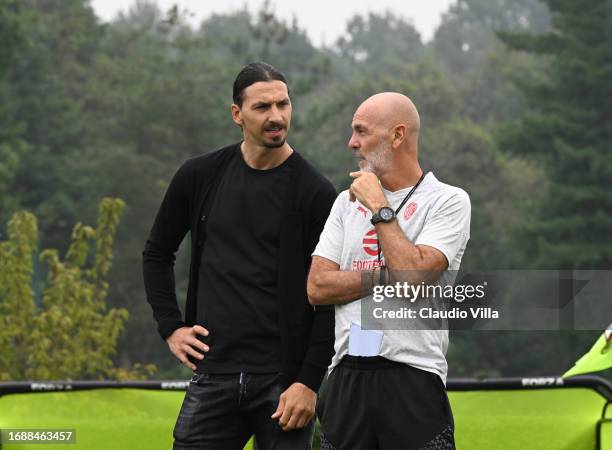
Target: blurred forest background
(514,95)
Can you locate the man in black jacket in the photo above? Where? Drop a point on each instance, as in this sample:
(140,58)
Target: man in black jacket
(254,210)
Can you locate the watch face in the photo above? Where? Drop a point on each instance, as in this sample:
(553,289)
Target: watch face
(386,213)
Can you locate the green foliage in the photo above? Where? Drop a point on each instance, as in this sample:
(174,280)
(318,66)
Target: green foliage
(90,109)
(567,132)
(71,333)
(11,33)
(12,41)
(467,32)
(43,99)
(380,41)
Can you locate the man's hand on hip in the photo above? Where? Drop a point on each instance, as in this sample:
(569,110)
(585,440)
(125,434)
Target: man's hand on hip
(184,342)
(296,406)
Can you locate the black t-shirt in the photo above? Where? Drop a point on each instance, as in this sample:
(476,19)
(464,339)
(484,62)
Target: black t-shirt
(237,286)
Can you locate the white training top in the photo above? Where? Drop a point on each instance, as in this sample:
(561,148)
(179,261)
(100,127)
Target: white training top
(437,215)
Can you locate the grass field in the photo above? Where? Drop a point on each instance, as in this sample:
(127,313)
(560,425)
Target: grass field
(547,419)
(103,418)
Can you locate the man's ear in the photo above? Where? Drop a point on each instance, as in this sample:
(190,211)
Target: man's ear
(236,114)
(398,135)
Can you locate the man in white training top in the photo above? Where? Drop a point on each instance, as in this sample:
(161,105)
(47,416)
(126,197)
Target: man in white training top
(386,388)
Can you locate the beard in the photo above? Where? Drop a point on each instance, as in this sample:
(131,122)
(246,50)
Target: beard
(378,160)
(275,141)
(272,143)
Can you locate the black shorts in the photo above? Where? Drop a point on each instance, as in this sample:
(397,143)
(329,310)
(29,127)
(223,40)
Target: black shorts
(374,403)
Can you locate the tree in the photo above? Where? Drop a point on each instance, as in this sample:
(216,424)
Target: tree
(67,332)
(90,109)
(241,37)
(383,42)
(44,97)
(568,131)
(11,33)
(467,31)
(12,41)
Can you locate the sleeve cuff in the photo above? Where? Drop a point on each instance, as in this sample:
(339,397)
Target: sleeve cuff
(311,376)
(447,252)
(326,255)
(167,327)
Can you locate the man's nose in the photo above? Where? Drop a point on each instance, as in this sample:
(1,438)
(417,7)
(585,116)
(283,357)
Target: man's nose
(353,143)
(275,114)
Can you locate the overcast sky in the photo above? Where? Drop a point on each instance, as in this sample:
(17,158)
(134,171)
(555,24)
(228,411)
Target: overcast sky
(324,20)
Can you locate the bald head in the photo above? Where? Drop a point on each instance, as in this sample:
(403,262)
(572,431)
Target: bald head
(385,139)
(389,109)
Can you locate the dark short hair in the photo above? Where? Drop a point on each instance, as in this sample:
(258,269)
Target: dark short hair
(253,73)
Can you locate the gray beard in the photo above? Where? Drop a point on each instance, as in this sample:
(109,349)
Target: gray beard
(379,160)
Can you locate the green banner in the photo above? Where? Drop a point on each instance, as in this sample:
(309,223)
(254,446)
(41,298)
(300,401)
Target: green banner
(597,359)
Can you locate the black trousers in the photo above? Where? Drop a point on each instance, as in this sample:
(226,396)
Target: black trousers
(221,412)
(376,404)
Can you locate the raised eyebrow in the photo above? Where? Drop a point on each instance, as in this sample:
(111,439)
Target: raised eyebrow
(358,127)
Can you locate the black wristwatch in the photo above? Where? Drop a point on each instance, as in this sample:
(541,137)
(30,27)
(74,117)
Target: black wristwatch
(384,214)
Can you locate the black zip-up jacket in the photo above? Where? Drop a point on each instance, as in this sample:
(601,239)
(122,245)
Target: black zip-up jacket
(307,333)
